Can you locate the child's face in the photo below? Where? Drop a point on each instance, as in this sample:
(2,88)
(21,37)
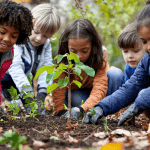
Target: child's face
(144,33)
(8,37)
(81,47)
(132,56)
(38,37)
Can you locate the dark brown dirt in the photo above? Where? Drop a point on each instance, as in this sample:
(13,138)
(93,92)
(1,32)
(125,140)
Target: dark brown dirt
(42,128)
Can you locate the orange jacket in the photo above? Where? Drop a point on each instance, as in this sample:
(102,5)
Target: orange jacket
(99,90)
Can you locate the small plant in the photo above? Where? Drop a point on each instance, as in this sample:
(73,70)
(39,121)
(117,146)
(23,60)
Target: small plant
(82,102)
(74,66)
(15,140)
(92,111)
(105,124)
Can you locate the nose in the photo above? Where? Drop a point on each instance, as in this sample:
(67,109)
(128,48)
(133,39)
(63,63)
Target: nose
(80,55)
(39,37)
(6,38)
(130,54)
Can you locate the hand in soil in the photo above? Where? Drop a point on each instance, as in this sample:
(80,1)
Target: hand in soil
(93,118)
(128,114)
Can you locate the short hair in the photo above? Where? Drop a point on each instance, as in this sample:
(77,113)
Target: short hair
(16,15)
(83,28)
(46,17)
(128,37)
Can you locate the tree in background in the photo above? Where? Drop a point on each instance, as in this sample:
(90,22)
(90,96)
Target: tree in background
(109,17)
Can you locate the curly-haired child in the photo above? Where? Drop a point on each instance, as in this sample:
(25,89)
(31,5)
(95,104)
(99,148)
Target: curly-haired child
(15,27)
(28,58)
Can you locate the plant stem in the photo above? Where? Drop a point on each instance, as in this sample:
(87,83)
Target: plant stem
(69,96)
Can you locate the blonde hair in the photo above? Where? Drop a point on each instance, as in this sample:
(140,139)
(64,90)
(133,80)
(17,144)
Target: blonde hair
(46,17)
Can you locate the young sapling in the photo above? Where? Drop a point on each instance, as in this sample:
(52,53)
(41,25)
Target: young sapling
(74,66)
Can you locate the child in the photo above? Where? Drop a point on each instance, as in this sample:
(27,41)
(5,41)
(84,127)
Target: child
(15,27)
(34,54)
(136,90)
(132,49)
(81,38)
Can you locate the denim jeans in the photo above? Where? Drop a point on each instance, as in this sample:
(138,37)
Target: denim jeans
(115,80)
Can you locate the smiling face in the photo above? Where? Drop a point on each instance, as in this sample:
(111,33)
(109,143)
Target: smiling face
(132,56)
(144,33)
(81,47)
(38,37)
(8,37)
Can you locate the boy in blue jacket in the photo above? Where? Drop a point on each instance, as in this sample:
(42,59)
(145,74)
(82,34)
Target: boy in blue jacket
(133,52)
(28,58)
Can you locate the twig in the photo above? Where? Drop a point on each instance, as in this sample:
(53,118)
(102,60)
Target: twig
(88,137)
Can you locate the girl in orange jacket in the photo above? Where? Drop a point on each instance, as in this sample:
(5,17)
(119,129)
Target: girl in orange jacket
(81,38)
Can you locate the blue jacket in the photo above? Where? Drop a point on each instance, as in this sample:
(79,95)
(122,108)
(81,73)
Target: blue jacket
(23,63)
(128,72)
(127,94)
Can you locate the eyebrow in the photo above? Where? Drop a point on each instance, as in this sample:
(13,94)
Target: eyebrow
(7,30)
(144,39)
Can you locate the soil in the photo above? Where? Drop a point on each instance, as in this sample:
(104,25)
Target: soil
(42,128)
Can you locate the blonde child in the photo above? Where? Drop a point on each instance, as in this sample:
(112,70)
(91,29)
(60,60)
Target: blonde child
(34,54)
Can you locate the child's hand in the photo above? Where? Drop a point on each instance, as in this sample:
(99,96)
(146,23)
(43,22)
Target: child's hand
(93,118)
(129,113)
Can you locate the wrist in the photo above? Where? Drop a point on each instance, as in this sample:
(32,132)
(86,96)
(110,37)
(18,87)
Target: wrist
(61,112)
(81,109)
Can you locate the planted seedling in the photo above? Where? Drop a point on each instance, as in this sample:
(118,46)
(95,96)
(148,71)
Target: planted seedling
(74,66)
(105,124)
(15,140)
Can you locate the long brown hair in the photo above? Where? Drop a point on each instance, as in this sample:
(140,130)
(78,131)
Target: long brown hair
(83,28)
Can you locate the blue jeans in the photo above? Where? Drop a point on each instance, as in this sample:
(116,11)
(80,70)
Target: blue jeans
(115,80)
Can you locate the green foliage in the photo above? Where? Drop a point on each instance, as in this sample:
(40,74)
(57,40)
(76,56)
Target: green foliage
(54,137)
(13,107)
(30,77)
(55,70)
(13,93)
(105,124)
(109,17)
(92,111)
(15,140)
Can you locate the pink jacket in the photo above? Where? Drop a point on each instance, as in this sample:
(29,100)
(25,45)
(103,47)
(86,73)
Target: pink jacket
(6,61)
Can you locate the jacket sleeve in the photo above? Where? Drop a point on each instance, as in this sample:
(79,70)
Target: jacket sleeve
(47,60)
(17,68)
(58,96)
(99,89)
(127,94)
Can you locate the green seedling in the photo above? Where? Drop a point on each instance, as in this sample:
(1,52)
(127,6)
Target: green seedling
(15,140)
(105,124)
(73,66)
(54,137)
(13,107)
(82,102)
(92,111)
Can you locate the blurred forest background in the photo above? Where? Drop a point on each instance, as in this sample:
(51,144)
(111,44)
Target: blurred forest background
(108,16)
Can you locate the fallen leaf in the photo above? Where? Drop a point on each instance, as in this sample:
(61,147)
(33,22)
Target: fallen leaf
(101,135)
(39,145)
(72,140)
(121,132)
(112,146)
(145,126)
(25,147)
(71,126)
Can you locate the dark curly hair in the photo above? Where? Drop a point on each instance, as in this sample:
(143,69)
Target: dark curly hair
(16,15)
(83,28)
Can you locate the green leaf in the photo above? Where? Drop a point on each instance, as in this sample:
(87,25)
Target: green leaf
(49,77)
(57,74)
(12,91)
(54,137)
(52,87)
(61,66)
(74,57)
(59,58)
(30,77)
(88,70)
(63,82)
(29,94)
(49,69)
(77,83)
(16,111)
(77,71)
